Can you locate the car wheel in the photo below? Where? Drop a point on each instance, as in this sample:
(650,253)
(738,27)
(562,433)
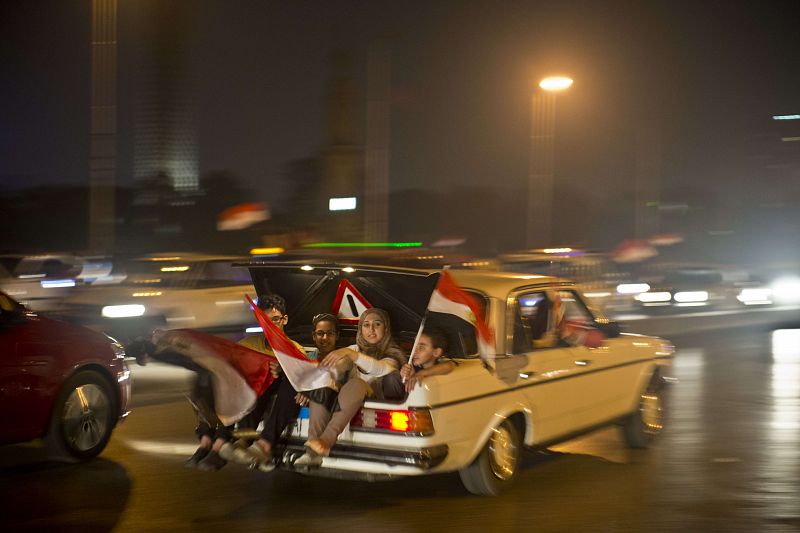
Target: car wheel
(497,464)
(647,421)
(82,419)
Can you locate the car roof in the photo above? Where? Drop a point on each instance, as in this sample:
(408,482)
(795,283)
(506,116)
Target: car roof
(492,282)
(191,256)
(499,284)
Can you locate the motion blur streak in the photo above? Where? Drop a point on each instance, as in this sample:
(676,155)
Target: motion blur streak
(161,448)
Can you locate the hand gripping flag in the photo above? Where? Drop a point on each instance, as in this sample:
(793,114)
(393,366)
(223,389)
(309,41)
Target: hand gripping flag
(239,375)
(449,298)
(303,374)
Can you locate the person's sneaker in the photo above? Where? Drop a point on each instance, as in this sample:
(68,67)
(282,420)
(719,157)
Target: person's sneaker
(199,454)
(211,462)
(318,447)
(308,460)
(236,452)
(258,460)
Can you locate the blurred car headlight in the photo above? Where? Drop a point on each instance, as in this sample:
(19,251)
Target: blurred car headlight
(57,283)
(123,311)
(755,296)
(632,288)
(654,297)
(686,297)
(786,290)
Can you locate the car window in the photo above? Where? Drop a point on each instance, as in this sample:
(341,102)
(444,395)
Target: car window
(574,308)
(531,320)
(536,325)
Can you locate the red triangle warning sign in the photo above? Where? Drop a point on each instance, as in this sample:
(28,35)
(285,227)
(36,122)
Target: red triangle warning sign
(349,303)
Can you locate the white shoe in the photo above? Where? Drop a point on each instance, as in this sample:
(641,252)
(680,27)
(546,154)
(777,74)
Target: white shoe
(236,452)
(308,460)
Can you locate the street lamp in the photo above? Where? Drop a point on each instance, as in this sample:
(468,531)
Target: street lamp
(540,184)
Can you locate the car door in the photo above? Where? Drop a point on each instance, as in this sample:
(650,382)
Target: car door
(549,376)
(562,382)
(600,366)
(21,410)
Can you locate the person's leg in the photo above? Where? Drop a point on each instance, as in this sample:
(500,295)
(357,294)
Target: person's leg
(351,397)
(202,399)
(318,418)
(392,387)
(284,411)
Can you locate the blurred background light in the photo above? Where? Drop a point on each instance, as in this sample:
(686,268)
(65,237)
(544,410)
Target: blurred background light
(632,288)
(654,297)
(342,204)
(556,83)
(786,290)
(123,311)
(691,296)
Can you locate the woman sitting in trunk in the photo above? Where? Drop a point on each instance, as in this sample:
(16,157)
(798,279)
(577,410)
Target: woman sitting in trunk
(374,355)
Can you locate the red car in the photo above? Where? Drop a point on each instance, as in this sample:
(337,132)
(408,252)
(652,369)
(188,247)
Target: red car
(63,383)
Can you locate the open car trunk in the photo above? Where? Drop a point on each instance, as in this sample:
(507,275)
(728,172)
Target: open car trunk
(346,291)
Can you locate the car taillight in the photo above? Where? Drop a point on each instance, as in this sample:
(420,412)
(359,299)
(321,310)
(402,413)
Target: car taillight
(416,421)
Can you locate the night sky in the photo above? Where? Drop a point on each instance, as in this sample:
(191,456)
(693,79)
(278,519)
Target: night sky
(705,74)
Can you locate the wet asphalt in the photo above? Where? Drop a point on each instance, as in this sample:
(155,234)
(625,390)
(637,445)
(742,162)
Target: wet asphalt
(728,460)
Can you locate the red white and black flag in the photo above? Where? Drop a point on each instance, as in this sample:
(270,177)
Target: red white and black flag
(303,373)
(239,375)
(451,299)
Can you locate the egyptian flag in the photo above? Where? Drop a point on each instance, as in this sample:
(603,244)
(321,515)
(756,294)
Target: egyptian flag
(572,332)
(451,299)
(239,375)
(303,373)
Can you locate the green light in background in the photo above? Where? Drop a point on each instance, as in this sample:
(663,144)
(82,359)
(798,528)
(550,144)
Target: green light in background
(363,245)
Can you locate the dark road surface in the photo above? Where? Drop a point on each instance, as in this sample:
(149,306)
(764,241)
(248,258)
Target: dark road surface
(728,460)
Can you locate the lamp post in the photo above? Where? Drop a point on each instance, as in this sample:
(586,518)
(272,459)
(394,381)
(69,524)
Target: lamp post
(540,179)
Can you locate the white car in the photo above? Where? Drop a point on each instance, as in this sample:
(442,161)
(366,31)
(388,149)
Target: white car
(167,291)
(472,420)
(39,281)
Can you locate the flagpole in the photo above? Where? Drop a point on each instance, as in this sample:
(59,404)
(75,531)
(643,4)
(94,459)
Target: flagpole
(416,341)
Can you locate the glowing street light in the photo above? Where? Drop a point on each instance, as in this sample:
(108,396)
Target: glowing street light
(541,186)
(556,83)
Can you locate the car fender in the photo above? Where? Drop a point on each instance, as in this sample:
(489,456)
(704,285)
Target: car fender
(647,373)
(498,417)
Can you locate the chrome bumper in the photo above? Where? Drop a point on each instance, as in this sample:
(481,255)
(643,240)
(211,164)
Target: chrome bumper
(424,458)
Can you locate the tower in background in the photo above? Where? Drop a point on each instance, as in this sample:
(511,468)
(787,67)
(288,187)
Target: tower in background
(342,170)
(103,126)
(164,93)
(378,137)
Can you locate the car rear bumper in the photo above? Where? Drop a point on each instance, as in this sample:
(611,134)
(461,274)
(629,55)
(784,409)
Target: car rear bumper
(422,459)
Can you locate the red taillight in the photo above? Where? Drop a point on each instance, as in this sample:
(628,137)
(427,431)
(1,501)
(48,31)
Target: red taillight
(398,421)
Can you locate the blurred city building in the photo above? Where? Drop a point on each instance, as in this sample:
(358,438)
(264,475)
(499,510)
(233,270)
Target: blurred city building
(161,90)
(103,126)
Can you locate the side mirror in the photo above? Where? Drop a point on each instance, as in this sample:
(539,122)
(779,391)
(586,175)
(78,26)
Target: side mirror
(610,328)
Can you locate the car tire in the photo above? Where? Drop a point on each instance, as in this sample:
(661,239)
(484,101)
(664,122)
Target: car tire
(643,425)
(497,463)
(83,418)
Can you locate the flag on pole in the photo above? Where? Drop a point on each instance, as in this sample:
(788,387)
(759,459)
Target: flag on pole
(451,299)
(303,373)
(239,375)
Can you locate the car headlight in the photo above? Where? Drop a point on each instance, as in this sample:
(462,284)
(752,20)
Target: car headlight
(787,290)
(654,297)
(632,288)
(755,295)
(123,311)
(686,297)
